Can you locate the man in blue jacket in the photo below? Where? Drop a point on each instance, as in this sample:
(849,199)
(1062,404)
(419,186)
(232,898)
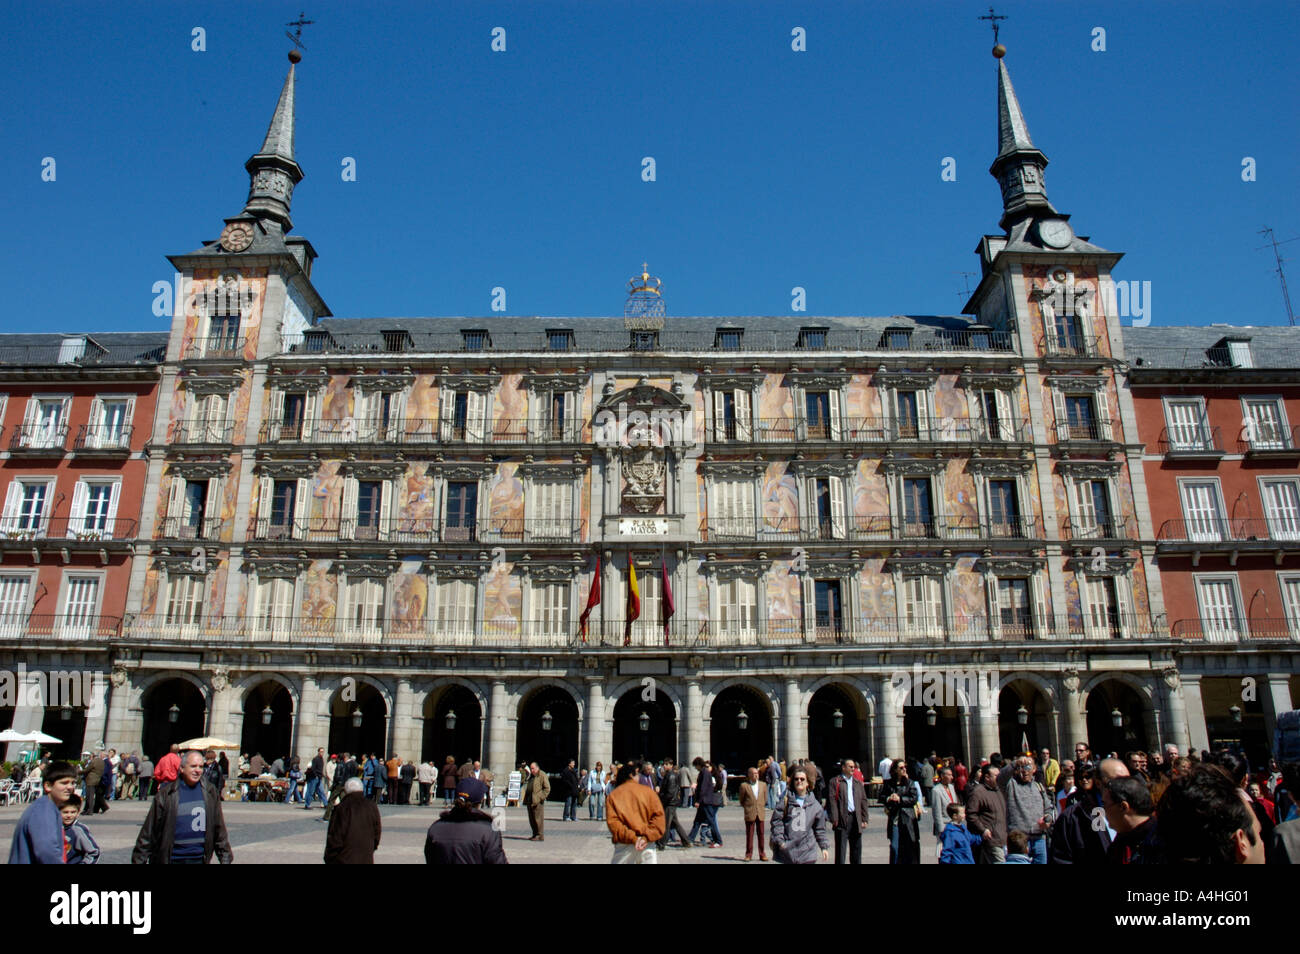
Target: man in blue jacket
(38,839)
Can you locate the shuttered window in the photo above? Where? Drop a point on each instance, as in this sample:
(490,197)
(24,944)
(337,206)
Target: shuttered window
(1220,618)
(552,510)
(184,600)
(731,513)
(551,609)
(455,612)
(738,607)
(1282,507)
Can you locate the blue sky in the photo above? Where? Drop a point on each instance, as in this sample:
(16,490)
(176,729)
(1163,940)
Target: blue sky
(522,169)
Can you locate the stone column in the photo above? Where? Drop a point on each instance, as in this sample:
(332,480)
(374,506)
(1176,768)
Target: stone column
(794,738)
(501,733)
(890,720)
(986,732)
(1198,737)
(124,721)
(1076,726)
(1276,700)
(404,727)
(313,729)
(97,702)
(1176,709)
(220,706)
(598,743)
(697,740)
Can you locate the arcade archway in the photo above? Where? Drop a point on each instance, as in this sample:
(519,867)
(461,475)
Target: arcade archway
(453,725)
(644,729)
(740,729)
(360,725)
(174,710)
(834,727)
(547,729)
(1109,702)
(1036,729)
(268,722)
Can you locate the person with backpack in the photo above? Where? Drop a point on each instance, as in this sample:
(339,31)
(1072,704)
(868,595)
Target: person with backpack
(799,825)
(1030,808)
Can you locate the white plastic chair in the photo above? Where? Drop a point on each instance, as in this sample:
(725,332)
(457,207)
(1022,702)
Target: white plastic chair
(7,790)
(31,790)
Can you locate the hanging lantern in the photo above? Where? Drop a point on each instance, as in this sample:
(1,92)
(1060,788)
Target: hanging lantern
(1116,717)
(65,713)
(742,720)
(644,722)
(837,717)
(1022,715)
(356,718)
(931,716)
(450,721)
(173,713)
(547,721)
(1235,712)
(267,715)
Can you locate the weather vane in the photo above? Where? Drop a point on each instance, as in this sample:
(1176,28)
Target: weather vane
(993,19)
(296,36)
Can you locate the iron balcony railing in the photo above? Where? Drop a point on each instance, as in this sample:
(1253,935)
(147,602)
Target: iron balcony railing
(563,632)
(1071,346)
(1214,358)
(1093,430)
(869,527)
(200,432)
(1281,528)
(1238,630)
(223,348)
(63,626)
(1099,528)
(39,437)
(62,529)
(1190,441)
(103,437)
(871,430)
(181,528)
(417,530)
(323,340)
(420,431)
(1265,438)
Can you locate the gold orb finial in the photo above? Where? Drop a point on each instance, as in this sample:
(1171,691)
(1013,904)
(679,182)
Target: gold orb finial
(999,51)
(295,56)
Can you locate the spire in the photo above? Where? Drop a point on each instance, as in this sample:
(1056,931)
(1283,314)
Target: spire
(1019,164)
(273,172)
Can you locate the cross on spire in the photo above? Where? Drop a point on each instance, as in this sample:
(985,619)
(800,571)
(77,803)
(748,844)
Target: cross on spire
(296,36)
(993,19)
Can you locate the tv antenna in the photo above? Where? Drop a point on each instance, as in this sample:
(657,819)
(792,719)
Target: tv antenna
(1281,275)
(966,277)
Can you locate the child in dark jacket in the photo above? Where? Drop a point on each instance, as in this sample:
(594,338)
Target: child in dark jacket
(957,840)
(81,847)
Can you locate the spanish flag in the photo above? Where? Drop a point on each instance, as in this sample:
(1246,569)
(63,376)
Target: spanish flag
(593,600)
(633,601)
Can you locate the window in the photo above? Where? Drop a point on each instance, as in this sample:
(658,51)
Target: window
(284,503)
(649,626)
(1102,615)
(1239,354)
(223,335)
(274,607)
(728,339)
(813,339)
(94,507)
(365,606)
(111,423)
(732,415)
(828,607)
(917,510)
(822,410)
(379,415)
(897,339)
(557,418)
(1282,507)
(1220,617)
(912,415)
(1203,510)
(559,339)
(731,512)
(462,510)
(551,609)
(999,424)
(827,507)
(1004,509)
(1188,428)
(1265,424)
(80,605)
(184,600)
(1079,417)
(14,593)
(1015,612)
(25,506)
(291,418)
(476,339)
(645,341)
(45,423)
(1069,337)
(737,608)
(369,500)
(190,508)
(1290,601)
(207,420)
(397,340)
(464,415)
(552,510)
(923,606)
(1092,510)
(455,614)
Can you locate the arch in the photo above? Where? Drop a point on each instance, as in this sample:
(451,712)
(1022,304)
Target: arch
(274,739)
(1138,711)
(1144,689)
(527,689)
(868,699)
(362,680)
(731,745)
(615,693)
(1039,730)
(464,740)
(1044,684)
(550,747)
(439,685)
(145,683)
(827,744)
(660,737)
(157,731)
(376,708)
(750,682)
(247,684)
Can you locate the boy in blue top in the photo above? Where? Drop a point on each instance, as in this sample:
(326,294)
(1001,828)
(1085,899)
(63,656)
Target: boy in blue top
(958,841)
(80,847)
(1018,848)
(38,839)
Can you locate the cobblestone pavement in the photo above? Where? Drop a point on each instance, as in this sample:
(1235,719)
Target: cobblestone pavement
(286,834)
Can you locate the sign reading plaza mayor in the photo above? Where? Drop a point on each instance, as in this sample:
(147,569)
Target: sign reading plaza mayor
(643,527)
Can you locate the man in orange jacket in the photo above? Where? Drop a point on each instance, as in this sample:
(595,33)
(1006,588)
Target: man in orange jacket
(635,818)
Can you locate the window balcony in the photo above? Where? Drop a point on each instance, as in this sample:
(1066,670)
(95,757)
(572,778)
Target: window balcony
(1085,432)
(1235,534)
(869,527)
(1099,528)
(1071,346)
(108,440)
(67,530)
(201,434)
(76,626)
(214,349)
(178,528)
(871,430)
(1240,630)
(1262,442)
(1203,443)
(39,440)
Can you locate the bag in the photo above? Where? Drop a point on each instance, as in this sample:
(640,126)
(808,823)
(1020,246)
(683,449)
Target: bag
(582,797)
(917,808)
(129,769)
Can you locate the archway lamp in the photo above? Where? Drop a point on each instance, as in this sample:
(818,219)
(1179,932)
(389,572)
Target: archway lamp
(643,721)
(837,718)
(1022,715)
(450,721)
(267,715)
(931,716)
(547,721)
(173,713)
(1116,717)
(65,713)
(1235,712)
(742,720)
(356,718)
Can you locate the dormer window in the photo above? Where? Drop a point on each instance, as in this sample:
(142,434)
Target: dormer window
(397,340)
(813,339)
(897,339)
(728,339)
(316,341)
(645,341)
(559,339)
(476,339)
(1238,352)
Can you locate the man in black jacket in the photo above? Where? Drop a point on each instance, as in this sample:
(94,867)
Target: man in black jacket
(1081,835)
(570,779)
(464,835)
(846,810)
(347,769)
(191,808)
(316,779)
(670,796)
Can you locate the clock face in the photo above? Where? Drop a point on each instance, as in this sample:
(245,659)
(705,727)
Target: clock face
(1055,232)
(236,236)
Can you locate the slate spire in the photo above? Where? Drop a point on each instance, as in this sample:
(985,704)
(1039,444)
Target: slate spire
(1019,164)
(272,171)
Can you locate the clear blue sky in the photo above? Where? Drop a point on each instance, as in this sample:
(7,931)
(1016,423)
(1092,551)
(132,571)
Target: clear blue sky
(523,169)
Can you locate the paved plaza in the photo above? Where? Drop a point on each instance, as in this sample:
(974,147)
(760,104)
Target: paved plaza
(282,834)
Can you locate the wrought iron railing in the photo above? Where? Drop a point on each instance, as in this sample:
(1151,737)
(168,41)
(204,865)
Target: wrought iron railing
(39,437)
(1234,530)
(1238,630)
(103,437)
(75,529)
(1191,441)
(61,626)
(1099,528)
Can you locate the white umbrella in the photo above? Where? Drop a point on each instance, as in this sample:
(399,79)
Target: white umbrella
(40,738)
(13,735)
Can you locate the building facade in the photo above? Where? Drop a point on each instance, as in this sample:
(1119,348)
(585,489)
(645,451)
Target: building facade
(862,536)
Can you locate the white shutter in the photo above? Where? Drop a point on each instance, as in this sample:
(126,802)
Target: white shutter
(446,413)
(1219,610)
(728,608)
(216,418)
(837,507)
(308,415)
(128,419)
(348,509)
(476,416)
(385,509)
(744,416)
(923,415)
(993,600)
(212,512)
(265,490)
(1005,430)
(13,506)
(13,604)
(98,431)
(1092,594)
(77,520)
(115,496)
(833,402)
(1085,512)
(719,416)
(1201,508)
(1291,599)
(1124,603)
(1103,414)
(31,423)
(277,415)
(175,505)
(1185,425)
(301,496)
(1062,418)
(1040,606)
(1282,507)
(397,416)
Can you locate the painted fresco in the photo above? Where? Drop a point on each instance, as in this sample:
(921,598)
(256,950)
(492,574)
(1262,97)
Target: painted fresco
(239,410)
(216,595)
(780,498)
(176,415)
(410,598)
(861,400)
(775,403)
(959,489)
(505,499)
(229,499)
(701,593)
(876,594)
(503,600)
(949,401)
(320,591)
(587,399)
(510,408)
(422,406)
(336,401)
(584,513)
(415,502)
(871,498)
(702,498)
(968,591)
(1073,608)
(784,599)
(326,499)
(149,600)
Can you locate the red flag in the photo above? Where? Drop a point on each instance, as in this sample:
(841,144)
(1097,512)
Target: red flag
(593,600)
(668,608)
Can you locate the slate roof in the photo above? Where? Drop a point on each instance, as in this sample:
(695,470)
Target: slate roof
(104,349)
(1201,346)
